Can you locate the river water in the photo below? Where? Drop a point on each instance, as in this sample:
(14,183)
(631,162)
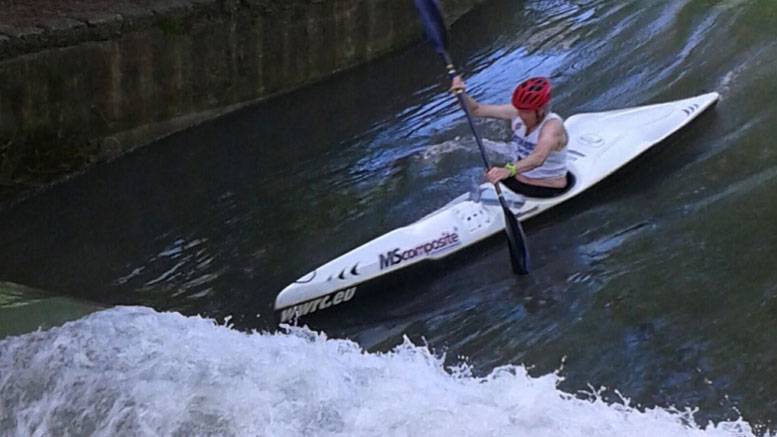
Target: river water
(651,308)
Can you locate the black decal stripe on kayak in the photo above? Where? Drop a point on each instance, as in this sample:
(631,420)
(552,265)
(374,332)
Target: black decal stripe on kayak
(353,270)
(342,274)
(576,153)
(305,281)
(691,109)
(528,211)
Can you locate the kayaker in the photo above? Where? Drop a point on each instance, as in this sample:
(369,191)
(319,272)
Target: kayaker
(540,168)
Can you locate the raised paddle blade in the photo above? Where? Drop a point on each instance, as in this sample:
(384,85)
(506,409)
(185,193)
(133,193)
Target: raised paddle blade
(431,19)
(516,241)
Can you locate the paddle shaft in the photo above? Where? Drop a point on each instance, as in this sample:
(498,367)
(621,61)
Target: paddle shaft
(516,238)
(431,18)
(460,97)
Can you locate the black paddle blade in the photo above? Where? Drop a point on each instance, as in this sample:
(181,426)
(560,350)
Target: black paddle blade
(430,14)
(516,241)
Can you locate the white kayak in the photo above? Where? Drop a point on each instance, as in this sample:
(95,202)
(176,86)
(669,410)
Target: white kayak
(599,144)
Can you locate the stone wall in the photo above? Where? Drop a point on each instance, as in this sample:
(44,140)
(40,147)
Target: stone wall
(82,81)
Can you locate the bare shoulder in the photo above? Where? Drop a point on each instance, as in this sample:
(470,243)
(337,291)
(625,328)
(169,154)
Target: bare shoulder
(553,130)
(553,125)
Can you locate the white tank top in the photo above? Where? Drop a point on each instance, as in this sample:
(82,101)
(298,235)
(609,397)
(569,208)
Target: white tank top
(555,165)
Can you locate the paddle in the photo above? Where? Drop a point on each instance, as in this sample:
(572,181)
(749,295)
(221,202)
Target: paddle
(431,18)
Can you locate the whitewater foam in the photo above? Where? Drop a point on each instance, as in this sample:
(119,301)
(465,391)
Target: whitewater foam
(132,371)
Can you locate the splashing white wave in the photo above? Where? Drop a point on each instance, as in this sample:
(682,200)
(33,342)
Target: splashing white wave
(496,149)
(130,371)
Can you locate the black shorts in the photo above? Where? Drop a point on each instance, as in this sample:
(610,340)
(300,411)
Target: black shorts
(527,190)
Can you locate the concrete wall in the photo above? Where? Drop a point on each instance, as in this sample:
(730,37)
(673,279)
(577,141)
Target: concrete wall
(85,85)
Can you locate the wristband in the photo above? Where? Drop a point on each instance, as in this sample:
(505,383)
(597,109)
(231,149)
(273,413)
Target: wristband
(511,166)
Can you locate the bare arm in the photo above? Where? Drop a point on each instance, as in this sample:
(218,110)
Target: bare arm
(504,112)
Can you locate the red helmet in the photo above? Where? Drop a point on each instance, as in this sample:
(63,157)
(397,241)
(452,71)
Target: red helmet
(532,93)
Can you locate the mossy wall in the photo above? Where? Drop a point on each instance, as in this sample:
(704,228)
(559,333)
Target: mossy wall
(91,83)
